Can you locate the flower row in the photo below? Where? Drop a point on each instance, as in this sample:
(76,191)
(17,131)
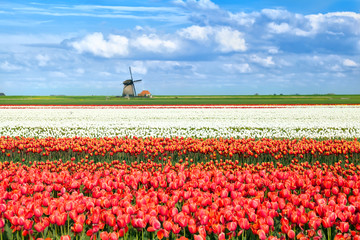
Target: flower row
(144,200)
(177,149)
(286,122)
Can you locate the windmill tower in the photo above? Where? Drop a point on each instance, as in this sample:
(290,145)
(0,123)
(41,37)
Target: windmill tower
(129,87)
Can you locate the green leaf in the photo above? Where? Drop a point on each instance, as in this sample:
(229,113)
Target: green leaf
(8,232)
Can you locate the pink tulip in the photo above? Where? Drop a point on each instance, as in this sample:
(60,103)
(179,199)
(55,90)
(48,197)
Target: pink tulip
(65,237)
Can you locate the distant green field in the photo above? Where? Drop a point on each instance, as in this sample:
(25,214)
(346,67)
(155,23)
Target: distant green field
(180,100)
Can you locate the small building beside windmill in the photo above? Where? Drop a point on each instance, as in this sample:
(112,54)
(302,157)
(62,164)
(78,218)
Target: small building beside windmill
(145,93)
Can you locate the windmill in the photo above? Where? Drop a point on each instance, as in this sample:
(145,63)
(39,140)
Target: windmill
(129,87)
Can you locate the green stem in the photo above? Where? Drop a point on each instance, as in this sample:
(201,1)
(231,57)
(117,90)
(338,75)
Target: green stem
(68,222)
(329,233)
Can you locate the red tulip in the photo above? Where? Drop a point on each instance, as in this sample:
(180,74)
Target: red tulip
(113,236)
(2,222)
(38,211)
(344,227)
(244,224)
(262,235)
(39,227)
(167,225)
(198,237)
(231,226)
(175,228)
(104,236)
(291,234)
(77,228)
(156,224)
(221,236)
(192,228)
(27,224)
(2,207)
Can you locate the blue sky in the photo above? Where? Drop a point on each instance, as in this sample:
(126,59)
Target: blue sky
(180,47)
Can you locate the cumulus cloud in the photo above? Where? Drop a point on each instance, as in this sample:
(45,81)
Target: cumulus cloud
(266,62)
(153,43)
(243,19)
(349,63)
(95,43)
(278,28)
(276,14)
(230,40)
(225,38)
(196,32)
(332,24)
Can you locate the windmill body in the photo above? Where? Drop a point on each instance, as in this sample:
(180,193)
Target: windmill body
(129,87)
(129,90)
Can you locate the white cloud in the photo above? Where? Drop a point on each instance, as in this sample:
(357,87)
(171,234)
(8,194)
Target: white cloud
(273,50)
(226,38)
(230,40)
(349,63)
(279,28)
(241,67)
(244,19)
(6,66)
(196,33)
(95,43)
(266,62)
(275,14)
(139,28)
(42,59)
(333,23)
(153,43)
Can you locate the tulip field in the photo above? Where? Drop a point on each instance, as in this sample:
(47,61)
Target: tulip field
(180,172)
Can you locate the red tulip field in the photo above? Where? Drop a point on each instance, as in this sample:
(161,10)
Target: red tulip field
(179,188)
